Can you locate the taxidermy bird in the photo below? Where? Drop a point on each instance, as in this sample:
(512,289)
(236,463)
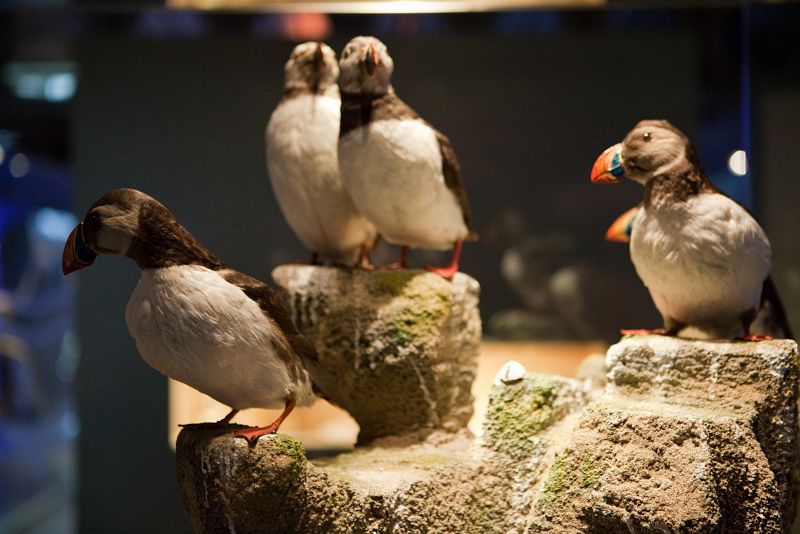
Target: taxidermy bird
(400,172)
(301,145)
(704,258)
(193,318)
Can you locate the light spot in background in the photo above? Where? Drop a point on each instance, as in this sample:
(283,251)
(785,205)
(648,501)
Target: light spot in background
(60,87)
(70,425)
(19,165)
(54,224)
(67,362)
(737,163)
(2,154)
(52,81)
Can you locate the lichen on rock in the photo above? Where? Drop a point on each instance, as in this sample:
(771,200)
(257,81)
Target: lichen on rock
(519,412)
(397,349)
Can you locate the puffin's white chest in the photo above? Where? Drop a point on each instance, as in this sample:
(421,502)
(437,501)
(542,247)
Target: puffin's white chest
(192,325)
(301,140)
(704,261)
(393,171)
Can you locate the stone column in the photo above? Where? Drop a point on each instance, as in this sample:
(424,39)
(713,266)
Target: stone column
(397,349)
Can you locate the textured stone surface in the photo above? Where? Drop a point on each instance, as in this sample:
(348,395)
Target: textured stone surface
(689,436)
(398,349)
(228,486)
(446,483)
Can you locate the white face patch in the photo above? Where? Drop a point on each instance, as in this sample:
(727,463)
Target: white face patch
(117,229)
(671,152)
(353,77)
(300,70)
(654,149)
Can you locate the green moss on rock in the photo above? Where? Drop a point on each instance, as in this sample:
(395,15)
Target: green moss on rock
(554,485)
(570,474)
(591,469)
(517,413)
(290,447)
(416,324)
(393,282)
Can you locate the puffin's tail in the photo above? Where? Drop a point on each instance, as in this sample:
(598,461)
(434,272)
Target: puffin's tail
(773,315)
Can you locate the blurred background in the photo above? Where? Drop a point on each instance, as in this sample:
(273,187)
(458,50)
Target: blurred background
(173,99)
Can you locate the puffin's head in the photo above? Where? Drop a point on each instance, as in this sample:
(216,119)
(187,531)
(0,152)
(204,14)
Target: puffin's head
(653,147)
(311,65)
(109,227)
(365,66)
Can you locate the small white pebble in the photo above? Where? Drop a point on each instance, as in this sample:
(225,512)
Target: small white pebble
(510,372)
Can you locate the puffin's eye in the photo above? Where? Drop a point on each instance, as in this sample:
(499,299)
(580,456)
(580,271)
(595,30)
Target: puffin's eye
(646,136)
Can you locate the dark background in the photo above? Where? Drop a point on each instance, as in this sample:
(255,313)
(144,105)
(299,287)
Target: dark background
(175,104)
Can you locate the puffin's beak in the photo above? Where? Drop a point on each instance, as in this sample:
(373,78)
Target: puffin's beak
(77,253)
(621,229)
(318,62)
(608,167)
(371,60)
(318,57)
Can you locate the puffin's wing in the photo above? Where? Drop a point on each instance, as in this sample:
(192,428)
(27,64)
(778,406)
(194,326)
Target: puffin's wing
(772,318)
(452,178)
(273,310)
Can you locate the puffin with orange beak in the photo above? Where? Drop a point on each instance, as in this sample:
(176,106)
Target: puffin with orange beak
(703,257)
(401,173)
(194,318)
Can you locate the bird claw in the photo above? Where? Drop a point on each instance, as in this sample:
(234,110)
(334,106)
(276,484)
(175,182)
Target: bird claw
(754,337)
(253,434)
(643,332)
(445,272)
(206,426)
(395,266)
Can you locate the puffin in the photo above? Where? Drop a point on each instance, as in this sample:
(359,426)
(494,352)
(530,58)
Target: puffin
(194,318)
(400,171)
(704,259)
(301,149)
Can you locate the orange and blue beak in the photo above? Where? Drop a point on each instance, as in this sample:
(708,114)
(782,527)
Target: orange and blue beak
(77,253)
(620,230)
(608,169)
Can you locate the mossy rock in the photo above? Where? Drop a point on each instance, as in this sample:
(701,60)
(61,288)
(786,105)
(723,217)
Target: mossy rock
(520,411)
(397,349)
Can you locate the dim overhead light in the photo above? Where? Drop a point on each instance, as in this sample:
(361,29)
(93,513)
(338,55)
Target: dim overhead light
(378,6)
(737,163)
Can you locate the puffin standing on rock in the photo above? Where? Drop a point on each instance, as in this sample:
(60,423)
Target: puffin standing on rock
(400,172)
(301,144)
(704,258)
(193,318)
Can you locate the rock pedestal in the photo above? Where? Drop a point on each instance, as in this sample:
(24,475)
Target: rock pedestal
(690,436)
(397,349)
(446,483)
